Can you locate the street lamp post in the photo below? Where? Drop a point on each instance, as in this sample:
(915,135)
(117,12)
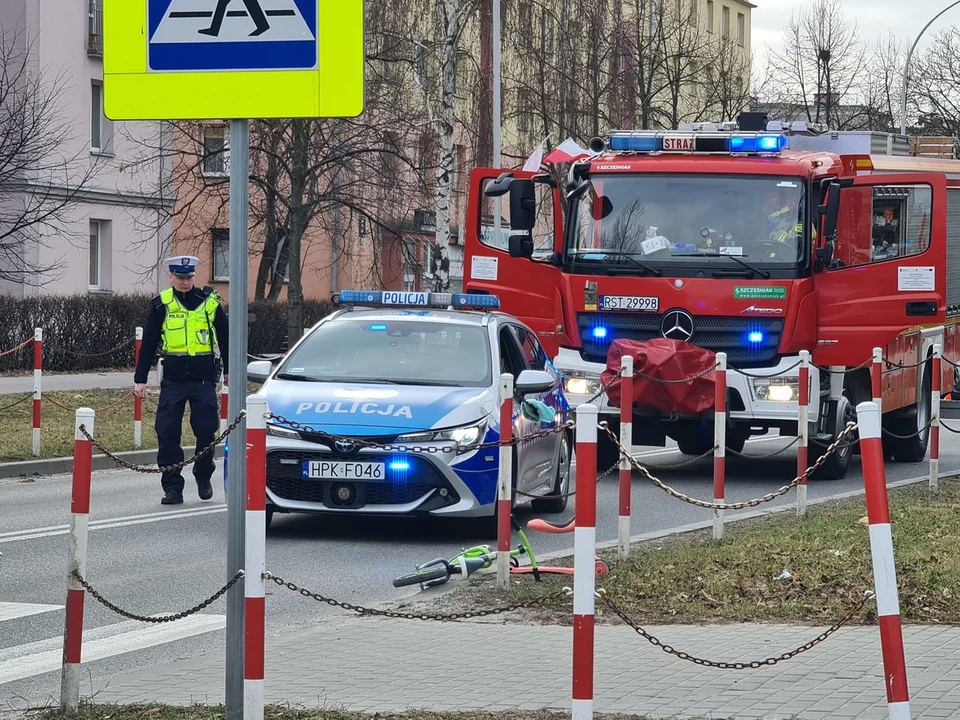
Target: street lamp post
(906,67)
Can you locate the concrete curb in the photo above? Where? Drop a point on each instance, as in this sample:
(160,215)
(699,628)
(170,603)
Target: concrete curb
(61,465)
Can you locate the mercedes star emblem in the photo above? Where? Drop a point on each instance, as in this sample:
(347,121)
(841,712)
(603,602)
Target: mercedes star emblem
(677,325)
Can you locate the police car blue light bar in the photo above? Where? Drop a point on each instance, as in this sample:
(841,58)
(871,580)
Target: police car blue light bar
(696,142)
(398,298)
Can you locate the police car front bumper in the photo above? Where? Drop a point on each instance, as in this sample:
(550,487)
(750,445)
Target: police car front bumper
(418,483)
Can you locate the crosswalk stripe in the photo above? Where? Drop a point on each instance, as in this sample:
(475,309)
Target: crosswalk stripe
(23,661)
(12,611)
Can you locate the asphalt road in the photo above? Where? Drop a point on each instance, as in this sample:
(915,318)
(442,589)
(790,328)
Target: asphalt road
(151,559)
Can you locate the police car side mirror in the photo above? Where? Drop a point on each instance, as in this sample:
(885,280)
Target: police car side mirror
(259,370)
(534,382)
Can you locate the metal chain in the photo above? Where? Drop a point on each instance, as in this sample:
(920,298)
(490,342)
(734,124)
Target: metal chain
(899,366)
(22,345)
(844,371)
(163,618)
(947,427)
(741,505)
(18,402)
(603,388)
(561,496)
(676,466)
(165,468)
(766,456)
(111,406)
(797,364)
(949,362)
(414,616)
(74,353)
(430,449)
(918,433)
(753,664)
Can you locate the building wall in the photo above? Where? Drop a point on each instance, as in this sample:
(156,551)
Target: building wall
(124,184)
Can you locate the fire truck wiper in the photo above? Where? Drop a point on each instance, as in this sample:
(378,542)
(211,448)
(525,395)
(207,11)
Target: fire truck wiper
(628,257)
(753,270)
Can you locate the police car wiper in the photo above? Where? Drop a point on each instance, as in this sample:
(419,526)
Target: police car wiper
(297,376)
(753,270)
(432,383)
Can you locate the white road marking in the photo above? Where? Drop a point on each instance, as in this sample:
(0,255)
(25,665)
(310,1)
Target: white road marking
(23,661)
(52,531)
(12,611)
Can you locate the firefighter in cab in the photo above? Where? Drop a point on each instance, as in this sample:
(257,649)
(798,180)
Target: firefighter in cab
(190,327)
(783,215)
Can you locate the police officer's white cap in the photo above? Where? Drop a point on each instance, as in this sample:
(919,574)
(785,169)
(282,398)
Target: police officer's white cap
(183,265)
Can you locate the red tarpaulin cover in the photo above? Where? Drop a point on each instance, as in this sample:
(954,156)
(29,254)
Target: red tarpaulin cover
(664,359)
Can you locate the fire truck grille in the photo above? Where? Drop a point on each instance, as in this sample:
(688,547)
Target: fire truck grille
(748,342)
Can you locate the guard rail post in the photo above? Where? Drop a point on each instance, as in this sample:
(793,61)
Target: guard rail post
(37,374)
(137,400)
(224,408)
(626,440)
(76,561)
(935,381)
(584,565)
(720,443)
(876,379)
(884,569)
(255,558)
(505,481)
(803,431)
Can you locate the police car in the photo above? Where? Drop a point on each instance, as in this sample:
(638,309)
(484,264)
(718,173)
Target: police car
(415,369)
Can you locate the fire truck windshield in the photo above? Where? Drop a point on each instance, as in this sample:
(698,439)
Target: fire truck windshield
(689,220)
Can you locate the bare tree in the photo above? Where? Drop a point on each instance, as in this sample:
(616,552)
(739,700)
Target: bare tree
(40,179)
(937,96)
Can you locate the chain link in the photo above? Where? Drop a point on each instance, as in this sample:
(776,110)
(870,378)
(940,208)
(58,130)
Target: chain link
(21,346)
(949,362)
(918,433)
(899,366)
(753,664)
(17,402)
(163,618)
(827,370)
(74,353)
(414,616)
(765,456)
(429,449)
(947,427)
(741,505)
(111,406)
(797,364)
(165,468)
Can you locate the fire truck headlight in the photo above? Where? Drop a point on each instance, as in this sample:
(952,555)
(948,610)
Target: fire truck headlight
(579,384)
(776,390)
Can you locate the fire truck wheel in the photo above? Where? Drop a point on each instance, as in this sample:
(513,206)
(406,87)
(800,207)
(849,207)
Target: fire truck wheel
(835,467)
(914,449)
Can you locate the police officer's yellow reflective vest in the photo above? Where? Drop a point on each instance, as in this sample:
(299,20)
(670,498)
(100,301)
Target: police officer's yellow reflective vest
(189,332)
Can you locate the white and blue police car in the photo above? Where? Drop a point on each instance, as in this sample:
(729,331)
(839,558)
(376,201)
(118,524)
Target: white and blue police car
(411,369)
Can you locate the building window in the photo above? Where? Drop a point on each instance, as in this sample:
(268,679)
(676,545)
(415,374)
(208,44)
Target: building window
(710,16)
(99,125)
(741,28)
(220,239)
(725,22)
(95,28)
(216,152)
(96,249)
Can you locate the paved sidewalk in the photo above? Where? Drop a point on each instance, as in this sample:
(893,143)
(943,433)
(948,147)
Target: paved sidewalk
(80,381)
(374,664)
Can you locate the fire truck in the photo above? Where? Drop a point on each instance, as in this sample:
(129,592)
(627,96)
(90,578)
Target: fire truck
(753,238)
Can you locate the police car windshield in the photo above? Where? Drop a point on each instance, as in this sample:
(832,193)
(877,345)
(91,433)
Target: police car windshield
(404,350)
(689,219)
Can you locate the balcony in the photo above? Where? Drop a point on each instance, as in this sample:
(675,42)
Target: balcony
(95,28)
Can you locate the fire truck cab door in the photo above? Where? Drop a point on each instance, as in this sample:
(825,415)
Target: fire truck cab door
(528,288)
(888,265)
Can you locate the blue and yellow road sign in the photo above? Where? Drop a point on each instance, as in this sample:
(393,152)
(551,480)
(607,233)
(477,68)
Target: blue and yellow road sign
(216,59)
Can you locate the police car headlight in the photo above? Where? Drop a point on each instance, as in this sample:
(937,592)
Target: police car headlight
(283,432)
(577,383)
(462,436)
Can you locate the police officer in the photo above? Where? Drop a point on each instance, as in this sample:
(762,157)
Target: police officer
(189,324)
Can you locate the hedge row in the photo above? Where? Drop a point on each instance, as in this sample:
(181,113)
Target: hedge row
(96,332)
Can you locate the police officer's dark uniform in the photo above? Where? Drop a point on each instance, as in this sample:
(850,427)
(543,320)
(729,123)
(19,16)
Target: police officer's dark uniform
(187,324)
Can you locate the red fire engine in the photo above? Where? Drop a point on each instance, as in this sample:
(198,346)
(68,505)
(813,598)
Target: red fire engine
(751,238)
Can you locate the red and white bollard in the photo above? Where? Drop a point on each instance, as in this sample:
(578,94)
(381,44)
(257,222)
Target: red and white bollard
(137,401)
(224,405)
(505,481)
(254,616)
(803,430)
(720,441)
(884,570)
(584,562)
(37,373)
(876,378)
(936,379)
(77,561)
(626,469)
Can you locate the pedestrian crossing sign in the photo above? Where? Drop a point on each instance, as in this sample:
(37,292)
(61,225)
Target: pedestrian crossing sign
(237,59)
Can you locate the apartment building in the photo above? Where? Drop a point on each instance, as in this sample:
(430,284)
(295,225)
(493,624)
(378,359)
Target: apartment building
(112,230)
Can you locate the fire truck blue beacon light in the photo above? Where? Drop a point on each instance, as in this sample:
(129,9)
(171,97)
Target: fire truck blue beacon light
(755,336)
(600,332)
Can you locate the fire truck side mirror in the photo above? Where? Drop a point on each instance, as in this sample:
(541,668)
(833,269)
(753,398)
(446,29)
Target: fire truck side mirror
(500,186)
(831,211)
(523,205)
(521,246)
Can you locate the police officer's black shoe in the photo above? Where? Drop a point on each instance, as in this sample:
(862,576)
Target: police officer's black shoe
(204,489)
(172,498)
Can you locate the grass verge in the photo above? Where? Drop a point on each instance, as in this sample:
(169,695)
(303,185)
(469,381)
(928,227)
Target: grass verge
(774,569)
(113,428)
(275,712)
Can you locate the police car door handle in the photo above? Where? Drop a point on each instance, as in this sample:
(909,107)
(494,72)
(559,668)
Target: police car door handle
(924,307)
